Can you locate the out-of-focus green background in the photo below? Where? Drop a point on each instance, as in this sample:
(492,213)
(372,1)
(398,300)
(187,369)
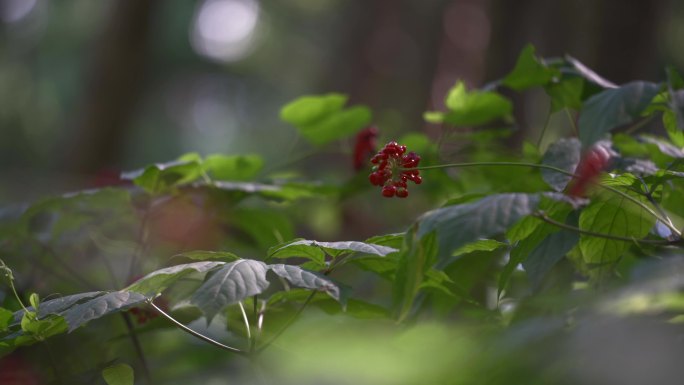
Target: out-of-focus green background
(89,88)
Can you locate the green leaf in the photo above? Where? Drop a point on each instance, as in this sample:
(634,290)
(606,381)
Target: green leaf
(5,318)
(101,306)
(459,225)
(267,227)
(160,177)
(390,240)
(234,282)
(233,167)
(292,249)
(415,259)
(57,305)
(479,245)
(547,253)
(310,280)
(34,300)
(201,255)
(471,108)
(564,154)
(612,214)
(305,246)
(157,281)
(321,119)
(529,71)
(120,374)
(673,118)
(566,93)
(612,108)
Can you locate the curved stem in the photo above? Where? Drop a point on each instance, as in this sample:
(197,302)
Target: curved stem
(556,169)
(197,334)
(562,225)
(244,318)
(289,322)
(546,125)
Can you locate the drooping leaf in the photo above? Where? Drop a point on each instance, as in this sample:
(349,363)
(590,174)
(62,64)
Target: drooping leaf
(157,281)
(202,255)
(390,240)
(417,256)
(564,154)
(459,225)
(162,176)
(119,374)
(471,108)
(266,227)
(310,280)
(234,282)
(322,119)
(529,71)
(612,214)
(57,305)
(612,108)
(101,306)
(233,167)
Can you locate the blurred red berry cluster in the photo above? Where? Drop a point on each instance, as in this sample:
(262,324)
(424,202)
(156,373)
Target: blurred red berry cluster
(591,165)
(390,170)
(365,145)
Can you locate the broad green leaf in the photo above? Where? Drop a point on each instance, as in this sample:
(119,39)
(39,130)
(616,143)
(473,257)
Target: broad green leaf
(309,280)
(308,110)
(390,240)
(529,71)
(417,256)
(547,253)
(157,281)
(201,255)
(354,307)
(278,192)
(234,282)
(101,306)
(233,167)
(564,154)
(459,225)
(120,374)
(5,318)
(566,93)
(266,227)
(471,108)
(612,108)
(321,119)
(479,245)
(385,267)
(291,249)
(57,305)
(332,248)
(34,330)
(612,214)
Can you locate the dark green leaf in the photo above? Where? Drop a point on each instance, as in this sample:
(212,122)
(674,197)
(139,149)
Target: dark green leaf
(459,225)
(100,306)
(234,282)
(308,110)
(547,253)
(201,255)
(5,318)
(157,281)
(564,154)
(612,108)
(566,93)
(390,240)
(120,374)
(57,305)
(529,71)
(333,248)
(415,259)
(266,227)
(309,280)
(479,245)
(471,108)
(161,176)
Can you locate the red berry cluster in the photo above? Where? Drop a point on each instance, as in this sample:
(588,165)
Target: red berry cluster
(390,170)
(365,146)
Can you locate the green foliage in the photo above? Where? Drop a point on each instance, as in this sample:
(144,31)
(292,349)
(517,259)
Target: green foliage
(490,270)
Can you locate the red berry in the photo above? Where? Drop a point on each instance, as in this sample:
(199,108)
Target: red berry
(402,193)
(388,191)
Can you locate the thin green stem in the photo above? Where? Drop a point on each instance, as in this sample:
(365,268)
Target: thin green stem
(246,320)
(556,169)
(546,125)
(137,346)
(197,334)
(547,219)
(572,122)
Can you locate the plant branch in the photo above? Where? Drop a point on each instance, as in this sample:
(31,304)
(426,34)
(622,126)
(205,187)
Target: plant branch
(546,125)
(244,318)
(572,122)
(556,169)
(137,346)
(541,215)
(197,334)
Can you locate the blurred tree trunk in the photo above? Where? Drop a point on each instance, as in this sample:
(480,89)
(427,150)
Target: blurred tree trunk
(114,85)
